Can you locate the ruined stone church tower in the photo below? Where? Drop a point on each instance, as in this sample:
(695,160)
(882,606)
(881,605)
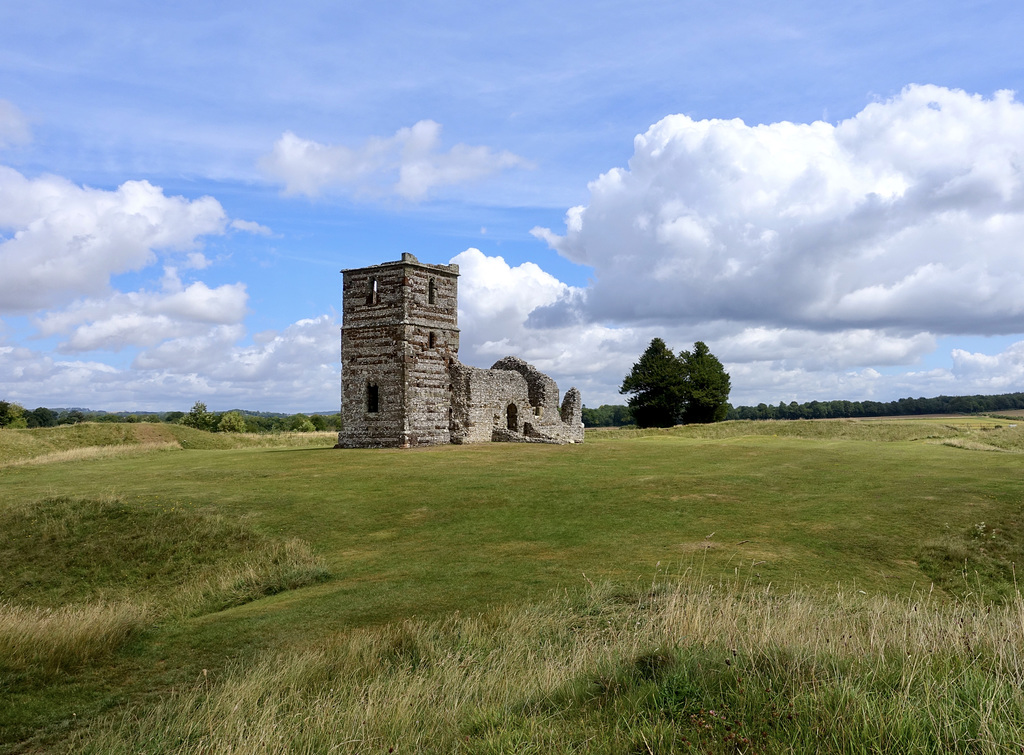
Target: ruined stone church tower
(402,383)
(399,334)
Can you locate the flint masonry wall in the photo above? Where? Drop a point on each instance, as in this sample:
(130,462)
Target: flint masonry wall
(402,383)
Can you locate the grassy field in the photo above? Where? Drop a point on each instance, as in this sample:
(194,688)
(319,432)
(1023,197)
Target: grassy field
(167,590)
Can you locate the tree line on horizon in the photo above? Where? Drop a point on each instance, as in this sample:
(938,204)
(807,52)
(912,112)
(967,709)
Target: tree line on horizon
(13,415)
(693,387)
(976,404)
(611,415)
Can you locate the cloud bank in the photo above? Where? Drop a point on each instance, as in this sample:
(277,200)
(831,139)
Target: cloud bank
(808,255)
(61,245)
(409,164)
(288,370)
(818,261)
(68,240)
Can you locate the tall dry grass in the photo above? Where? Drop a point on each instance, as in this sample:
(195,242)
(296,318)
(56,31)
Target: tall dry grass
(680,668)
(48,640)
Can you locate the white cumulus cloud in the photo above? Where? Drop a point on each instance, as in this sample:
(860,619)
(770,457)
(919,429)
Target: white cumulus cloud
(908,216)
(67,240)
(145,318)
(410,164)
(497,305)
(505,309)
(997,373)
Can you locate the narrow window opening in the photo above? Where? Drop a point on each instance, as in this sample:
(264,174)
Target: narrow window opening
(372,397)
(431,291)
(512,418)
(432,339)
(373,295)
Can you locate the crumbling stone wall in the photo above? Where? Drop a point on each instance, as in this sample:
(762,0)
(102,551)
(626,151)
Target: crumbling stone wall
(512,402)
(402,383)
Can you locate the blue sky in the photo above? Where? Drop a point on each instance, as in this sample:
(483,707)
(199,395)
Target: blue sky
(830,197)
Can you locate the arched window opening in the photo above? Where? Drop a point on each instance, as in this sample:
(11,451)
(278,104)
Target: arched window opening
(432,339)
(431,291)
(372,398)
(512,418)
(373,295)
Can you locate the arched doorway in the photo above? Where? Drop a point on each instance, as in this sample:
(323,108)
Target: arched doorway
(512,418)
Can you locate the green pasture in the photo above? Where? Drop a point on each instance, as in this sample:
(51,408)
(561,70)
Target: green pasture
(371,538)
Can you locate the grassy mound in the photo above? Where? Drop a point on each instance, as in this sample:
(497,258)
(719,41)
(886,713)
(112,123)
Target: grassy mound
(63,550)
(90,440)
(987,433)
(84,577)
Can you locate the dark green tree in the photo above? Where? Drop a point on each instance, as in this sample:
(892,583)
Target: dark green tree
(231,422)
(300,423)
(199,418)
(41,417)
(657,385)
(607,415)
(706,386)
(12,415)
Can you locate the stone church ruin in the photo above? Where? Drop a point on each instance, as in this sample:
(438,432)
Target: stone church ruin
(402,384)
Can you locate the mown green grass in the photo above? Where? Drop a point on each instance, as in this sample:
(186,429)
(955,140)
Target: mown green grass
(882,507)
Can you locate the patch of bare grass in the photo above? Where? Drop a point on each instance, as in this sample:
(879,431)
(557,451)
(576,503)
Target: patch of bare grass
(1008,437)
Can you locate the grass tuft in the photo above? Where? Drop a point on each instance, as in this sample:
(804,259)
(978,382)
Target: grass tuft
(979,561)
